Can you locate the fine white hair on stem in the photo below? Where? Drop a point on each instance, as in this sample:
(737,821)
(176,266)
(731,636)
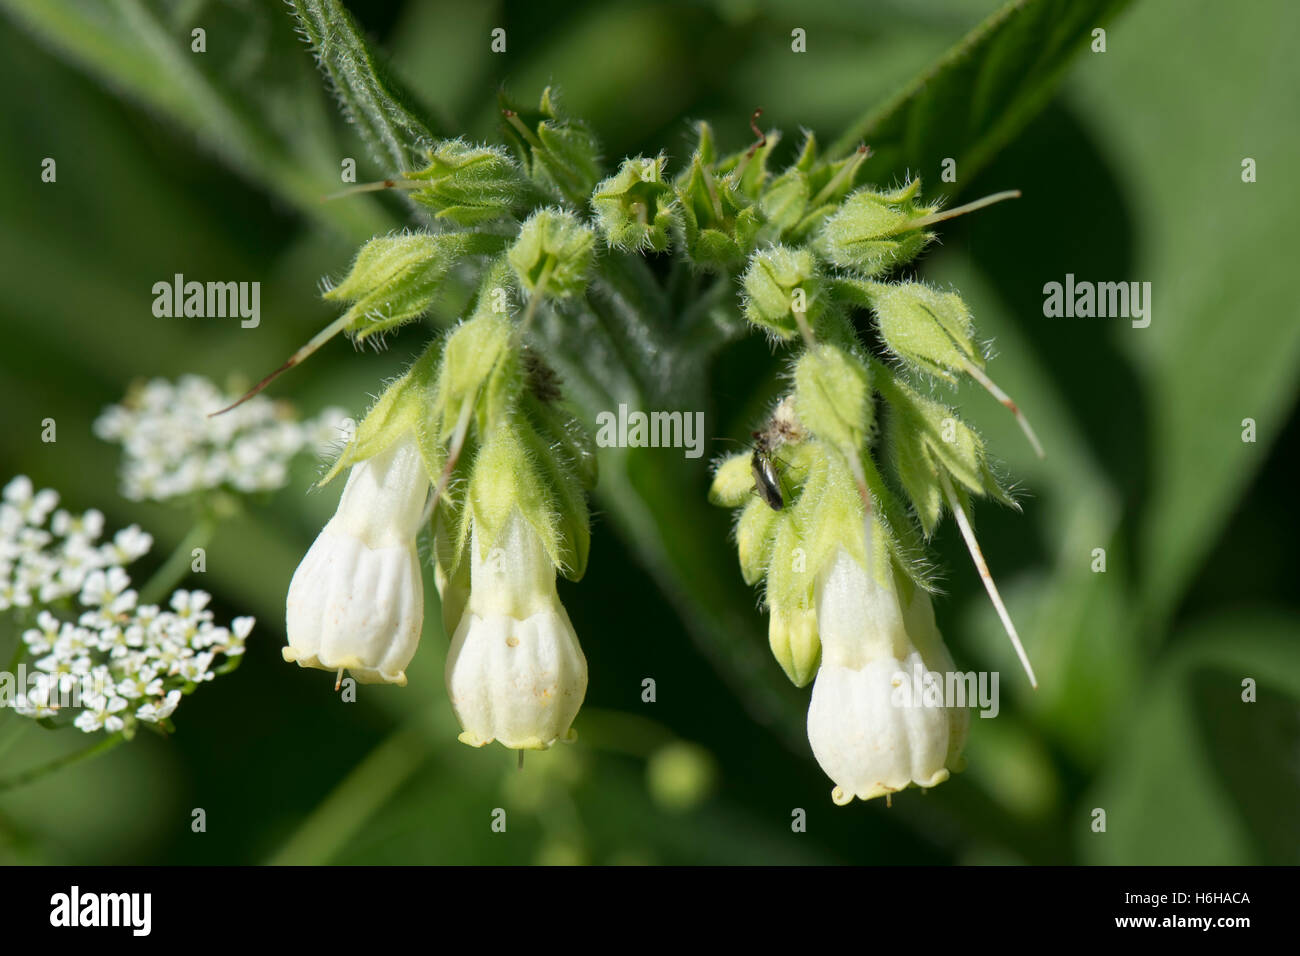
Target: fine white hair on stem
(991,386)
(981,565)
(956,211)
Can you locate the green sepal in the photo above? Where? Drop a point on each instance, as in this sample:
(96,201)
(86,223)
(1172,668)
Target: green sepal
(481,367)
(829,509)
(469,185)
(871,231)
(450,570)
(928,329)
(511,472)
(784,203)
(733,481)
(832,396)
(899,528)
(775,277)
(923,437)
(409,403)
(567,517)
(747,171)
(395,279)
(635,208)
(554,254)
(556,423)
(562,156)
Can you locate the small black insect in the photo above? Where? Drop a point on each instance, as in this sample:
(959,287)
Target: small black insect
(766,478)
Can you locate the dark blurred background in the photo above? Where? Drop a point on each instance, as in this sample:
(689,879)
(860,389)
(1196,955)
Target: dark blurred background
(1130,171)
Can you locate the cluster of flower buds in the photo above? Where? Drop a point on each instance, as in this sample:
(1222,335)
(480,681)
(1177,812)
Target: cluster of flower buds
(845,582)
(835,537)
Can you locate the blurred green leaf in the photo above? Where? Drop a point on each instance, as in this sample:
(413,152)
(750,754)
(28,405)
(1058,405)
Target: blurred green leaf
(1223,344)
(250,97)
(982,92)
(1223,773)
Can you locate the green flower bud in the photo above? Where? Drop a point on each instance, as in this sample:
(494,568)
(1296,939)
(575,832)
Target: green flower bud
(924,436)
(553,255)
(469,185)
(830,181)
(792,636)
(833,397)
(871,232)
(802,197)
(755,533)
(779,282)
(785,202)
(719,225)
(733,481)
(792,618)
(562,156)
(634,207)
(929,329)
(395,279)
(479,366)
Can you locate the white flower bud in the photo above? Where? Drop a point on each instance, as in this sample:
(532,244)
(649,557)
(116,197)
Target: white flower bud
(866,739)
(515,672)
(356,601)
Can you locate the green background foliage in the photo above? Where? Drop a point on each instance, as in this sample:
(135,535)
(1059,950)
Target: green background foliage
(212,165)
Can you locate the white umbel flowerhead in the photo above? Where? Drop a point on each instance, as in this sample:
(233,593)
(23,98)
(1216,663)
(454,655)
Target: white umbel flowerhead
(356,602)
(515,672)
(868,738)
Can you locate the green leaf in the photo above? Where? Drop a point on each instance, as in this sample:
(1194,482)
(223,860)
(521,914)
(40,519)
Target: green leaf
(1223,344)
(981,93)
(383,113)
(250,98)
(1221,770)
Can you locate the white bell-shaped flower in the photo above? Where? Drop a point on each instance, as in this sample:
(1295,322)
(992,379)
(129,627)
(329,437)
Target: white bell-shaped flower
(515,672)
(869,738)
(356,602)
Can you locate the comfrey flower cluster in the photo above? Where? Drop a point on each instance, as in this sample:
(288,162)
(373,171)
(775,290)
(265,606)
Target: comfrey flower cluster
(174,446)
(95,652)
(474,442)
(476,433)
(837,539)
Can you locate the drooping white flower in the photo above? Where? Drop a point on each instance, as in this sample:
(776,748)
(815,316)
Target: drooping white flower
(356,601)
(515,672)
(866,739)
